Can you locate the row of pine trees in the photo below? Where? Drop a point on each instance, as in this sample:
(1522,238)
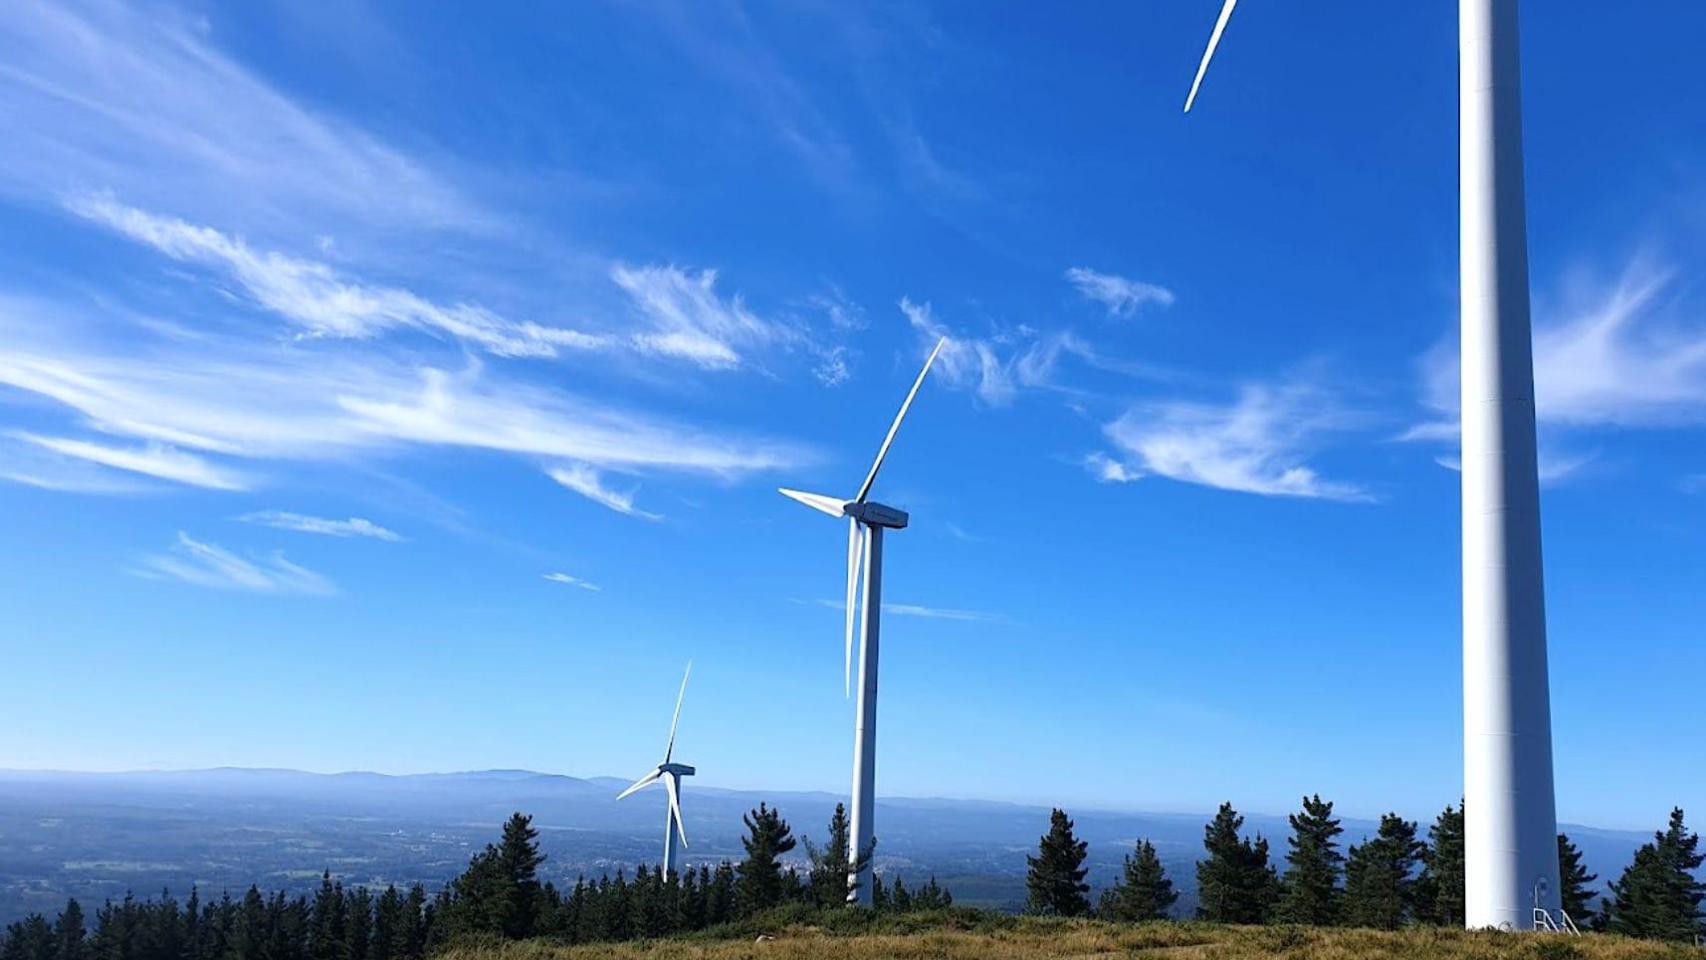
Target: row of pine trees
(499,895)
(1391,880)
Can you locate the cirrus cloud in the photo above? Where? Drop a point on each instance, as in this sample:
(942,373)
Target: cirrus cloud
(1258,443)
(302,523)
(206,565)
(1122,297)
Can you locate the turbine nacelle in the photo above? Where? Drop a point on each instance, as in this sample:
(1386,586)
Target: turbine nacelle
(869,513)
(875,514)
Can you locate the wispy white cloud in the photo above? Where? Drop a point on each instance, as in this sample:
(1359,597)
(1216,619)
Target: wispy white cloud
(589,483)
(152,459)
(960,533)
(842,312)
(689,320)
(680,315)
(1610,356)
(939,613)
(1122,297)
(139,98)
(964,362)
(211,396)
(1552,468)
(1109,470)
(923,612)
(573,581)
(205,565)
(832,368)
(1617,356)
(1613,355)
(30,465)
(1259,443)
(320,301)
(302,523)
(997,366)
(732,50)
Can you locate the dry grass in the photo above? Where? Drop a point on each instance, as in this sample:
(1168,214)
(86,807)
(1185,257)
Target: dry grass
(1030,938)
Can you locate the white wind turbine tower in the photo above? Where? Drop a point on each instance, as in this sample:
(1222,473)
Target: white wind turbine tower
(1510,820)
(866,521)
(670,773)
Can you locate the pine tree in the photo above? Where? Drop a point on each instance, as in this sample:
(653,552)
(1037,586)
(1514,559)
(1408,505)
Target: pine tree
(192,925)
(1379,886)
(478,898)
(1143,891)
(1575,882)
(720,899)
(693,899)
(518,862)
(249,936)
(644,913)
(29,939)
(419,914)
(932,896)
(390,928)
(761,885)
(900,898)
(68,933)
(619,910)
(1055,883)
(588,926)
(827,884)
(1310,890)
(1659,895)
(1439,890)
(1235,884)
(359,925)
(328,936)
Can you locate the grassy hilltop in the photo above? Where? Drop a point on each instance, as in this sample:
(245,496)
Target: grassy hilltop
(954,935)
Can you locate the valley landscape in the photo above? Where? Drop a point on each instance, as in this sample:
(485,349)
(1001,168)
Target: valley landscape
(97,836)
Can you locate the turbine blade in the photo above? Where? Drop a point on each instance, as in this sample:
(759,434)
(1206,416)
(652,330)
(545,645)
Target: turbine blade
(834,506)
(1207,55)
(854,555)
(670,750)
(883,451)
(644,781)
(675,807)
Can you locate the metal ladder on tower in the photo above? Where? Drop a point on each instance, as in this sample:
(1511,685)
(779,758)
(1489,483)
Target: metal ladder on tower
(1544,922)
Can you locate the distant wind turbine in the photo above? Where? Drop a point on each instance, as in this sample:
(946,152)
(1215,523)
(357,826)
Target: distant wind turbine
(670,773)
(866,521)
(1510,818)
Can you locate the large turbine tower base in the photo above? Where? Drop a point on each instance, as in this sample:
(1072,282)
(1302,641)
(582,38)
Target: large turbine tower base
(865,728)
(1510,822)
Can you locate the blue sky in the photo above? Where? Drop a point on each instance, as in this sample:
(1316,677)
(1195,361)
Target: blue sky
(383,387)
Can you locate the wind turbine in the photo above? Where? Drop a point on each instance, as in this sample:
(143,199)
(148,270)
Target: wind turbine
(670,773)
(866,521)
(1510,820)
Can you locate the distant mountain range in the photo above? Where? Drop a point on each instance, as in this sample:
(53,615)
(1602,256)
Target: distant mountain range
(99,835)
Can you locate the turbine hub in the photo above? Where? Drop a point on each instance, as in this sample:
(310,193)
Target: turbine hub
(875,514)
